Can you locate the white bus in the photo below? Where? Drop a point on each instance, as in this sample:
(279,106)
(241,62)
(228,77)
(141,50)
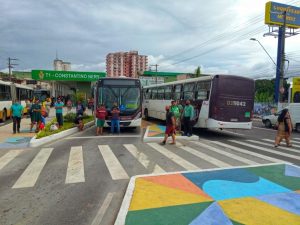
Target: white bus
(126,92)
(220,101)
(8,93)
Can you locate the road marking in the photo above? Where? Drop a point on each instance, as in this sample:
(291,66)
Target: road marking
(143,159)
(292,141)
(175,158)
(32,172)
(230,132)
(9,156)
(107,136)
(297,138)
(115,168)
(228,154)
(267,150)
(100,214)
(271,159)
(205,157)
(75,171)
(279,147)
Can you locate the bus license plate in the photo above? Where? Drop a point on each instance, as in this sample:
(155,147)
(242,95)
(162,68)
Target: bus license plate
(234,120)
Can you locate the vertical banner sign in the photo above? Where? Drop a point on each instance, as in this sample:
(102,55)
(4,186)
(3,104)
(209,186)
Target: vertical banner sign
(296,90)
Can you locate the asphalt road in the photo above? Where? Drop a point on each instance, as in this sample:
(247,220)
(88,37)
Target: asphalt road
(82,178)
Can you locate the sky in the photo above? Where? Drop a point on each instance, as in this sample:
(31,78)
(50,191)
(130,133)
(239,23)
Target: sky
(177,35)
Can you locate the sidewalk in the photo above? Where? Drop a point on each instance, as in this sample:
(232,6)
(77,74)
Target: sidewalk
(264,194)
(22,139)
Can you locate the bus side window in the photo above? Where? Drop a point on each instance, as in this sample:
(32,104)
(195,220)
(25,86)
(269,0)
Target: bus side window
(161,93)
(154,93)
(177,92)
(188,91)
(203,90)
(168,92)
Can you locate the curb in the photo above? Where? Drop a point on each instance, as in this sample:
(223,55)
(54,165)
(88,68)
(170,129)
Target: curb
(41,141)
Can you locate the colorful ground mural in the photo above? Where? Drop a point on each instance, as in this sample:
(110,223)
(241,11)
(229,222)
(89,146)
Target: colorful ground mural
(261,195)
(156,131)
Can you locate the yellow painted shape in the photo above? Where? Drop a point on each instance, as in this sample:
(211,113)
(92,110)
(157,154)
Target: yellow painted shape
(155,128)
(149,195)
(255,212)
(298,191)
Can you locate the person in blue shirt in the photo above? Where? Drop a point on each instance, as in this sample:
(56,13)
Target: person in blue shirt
(59,112)
(17,114)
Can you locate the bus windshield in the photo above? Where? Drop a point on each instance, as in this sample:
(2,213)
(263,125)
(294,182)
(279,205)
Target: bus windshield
(127,98)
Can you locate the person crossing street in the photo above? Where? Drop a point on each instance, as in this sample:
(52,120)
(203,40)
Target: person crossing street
(17,114)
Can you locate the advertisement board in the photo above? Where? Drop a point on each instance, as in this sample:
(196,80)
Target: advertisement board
(296,90)
(274,15)
(66,75)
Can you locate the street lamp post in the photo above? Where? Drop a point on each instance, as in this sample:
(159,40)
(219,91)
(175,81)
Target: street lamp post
(254,39)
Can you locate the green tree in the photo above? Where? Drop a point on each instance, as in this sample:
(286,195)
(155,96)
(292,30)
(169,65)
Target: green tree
(197,72)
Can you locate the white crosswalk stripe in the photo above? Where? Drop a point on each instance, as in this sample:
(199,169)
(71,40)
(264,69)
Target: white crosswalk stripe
(267,150)
(75,171)
(175,158)
(211,160)
(283,142)
(9,156)
(143,159)
(247,152)
(297,139)
(228,154)
(115,168)
(271,145)
(32,172)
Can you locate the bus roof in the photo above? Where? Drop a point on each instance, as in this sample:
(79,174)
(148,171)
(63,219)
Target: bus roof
(23,86)
(191,80)
(5,82)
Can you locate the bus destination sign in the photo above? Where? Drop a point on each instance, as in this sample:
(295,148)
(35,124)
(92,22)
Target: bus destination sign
(66,75)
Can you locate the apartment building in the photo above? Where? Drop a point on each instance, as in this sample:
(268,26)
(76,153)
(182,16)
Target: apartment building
(129,64)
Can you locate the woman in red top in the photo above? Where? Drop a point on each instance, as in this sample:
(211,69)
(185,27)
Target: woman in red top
(100,115)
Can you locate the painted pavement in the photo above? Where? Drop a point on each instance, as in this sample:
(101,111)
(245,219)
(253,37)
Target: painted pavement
(261,195)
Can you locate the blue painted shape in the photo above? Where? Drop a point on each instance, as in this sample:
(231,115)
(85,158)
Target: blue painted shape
(287,201)
(292,171)
(213,215)
(17,140)
(162,128)
(224,189)
(238,175)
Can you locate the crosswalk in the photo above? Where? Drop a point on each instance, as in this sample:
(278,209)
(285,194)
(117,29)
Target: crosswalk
(152,158)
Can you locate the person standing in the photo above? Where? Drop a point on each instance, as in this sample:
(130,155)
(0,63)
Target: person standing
(59,112)
(17,114)
(188,115)
(69,105)
(284,128)
(101,113)
(115,118)
(170,126)
(175,110)
(36,109)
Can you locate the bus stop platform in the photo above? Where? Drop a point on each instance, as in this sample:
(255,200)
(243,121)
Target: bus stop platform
(156,133)
(264,194)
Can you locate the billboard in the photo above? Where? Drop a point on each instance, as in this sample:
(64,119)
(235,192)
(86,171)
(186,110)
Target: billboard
(274,15)
(296,90)
(66,75)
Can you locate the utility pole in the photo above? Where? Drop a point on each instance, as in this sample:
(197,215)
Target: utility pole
(156,65)
(280,62)
(10,66)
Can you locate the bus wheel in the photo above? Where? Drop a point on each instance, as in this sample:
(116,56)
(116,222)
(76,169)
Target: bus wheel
(268,124)
(298,127)
(146,114)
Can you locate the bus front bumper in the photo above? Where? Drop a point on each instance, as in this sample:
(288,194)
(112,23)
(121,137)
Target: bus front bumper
(211,123)
(126,123)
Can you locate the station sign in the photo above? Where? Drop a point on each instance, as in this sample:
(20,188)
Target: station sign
(274,15)
(66,75)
